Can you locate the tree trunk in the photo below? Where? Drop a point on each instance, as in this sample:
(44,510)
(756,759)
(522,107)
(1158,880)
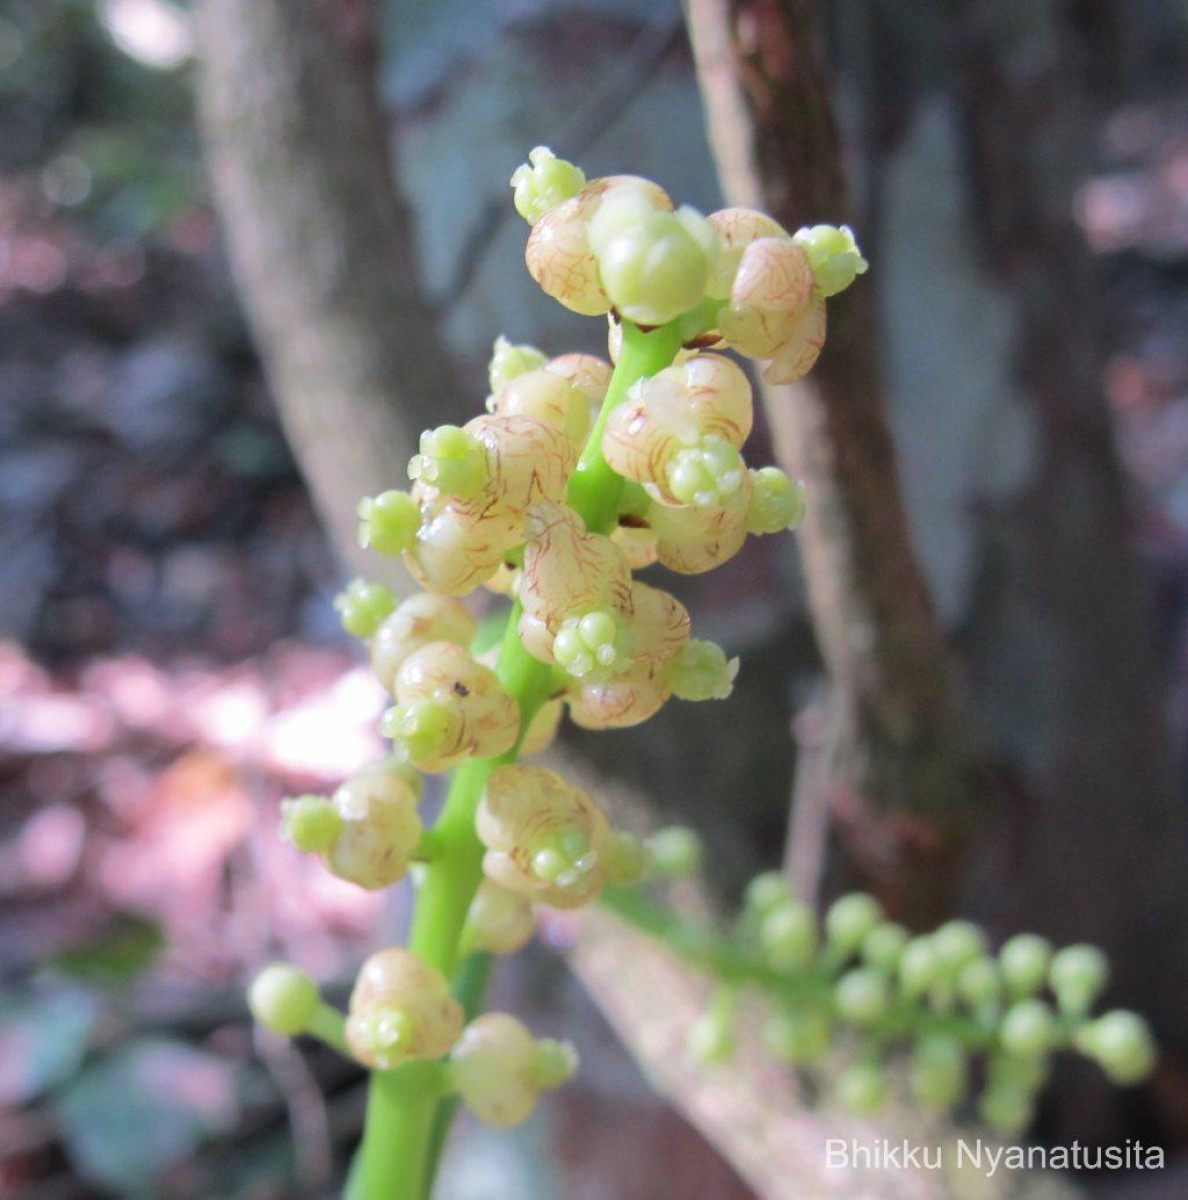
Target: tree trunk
(905,781)
(1105,844)
(321,245)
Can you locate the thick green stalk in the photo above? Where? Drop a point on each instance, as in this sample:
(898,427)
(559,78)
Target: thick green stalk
(406,1122)
(595,489)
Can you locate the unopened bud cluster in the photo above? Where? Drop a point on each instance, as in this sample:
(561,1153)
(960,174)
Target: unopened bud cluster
(852,978)
(577,474)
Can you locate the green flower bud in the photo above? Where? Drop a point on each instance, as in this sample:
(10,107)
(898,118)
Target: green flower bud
(884,944)
(543,182)
(979,984)
(311,823)
(1026,1074)
(766,891)
(1078,975)
(421,729)
(706,475)
(788,935)
(653,265)
(509,361)
(389,522)
(861,1089)
(850,919)
(553,1063)
(363,607)
(1024,961)
(797,1036)
(676,852)
(626,858)
(957,943)
(451,460)
(712,1039)
(833,255)
(1006,1109)
(919,967)
(1028,1029)
(937,1075)
(701,671)
(861,996)
(1120,1043)
(595,646)
(283,999)
(777,502)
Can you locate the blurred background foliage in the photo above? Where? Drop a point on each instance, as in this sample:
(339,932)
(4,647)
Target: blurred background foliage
(170,663)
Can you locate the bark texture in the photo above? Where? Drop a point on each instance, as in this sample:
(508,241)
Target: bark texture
(1105,851)
(321,243)
(905,781)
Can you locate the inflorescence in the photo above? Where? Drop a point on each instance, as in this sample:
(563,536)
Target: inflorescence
(580,473)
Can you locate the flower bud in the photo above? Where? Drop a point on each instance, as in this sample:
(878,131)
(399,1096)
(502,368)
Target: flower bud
(388,523)
(595,645)
(862,1089)
(545,837)
(737,228)
(567,573)
(401,1009)
(701,671)
(311,823)
(979,983)
(772,290)
(627,859)
(679,431)
(498,921)
(850,919)
(861,996)
(542,729)
(509,361)
(767,891)
(957,943)
(499,1069)
(1024,961)
(653,265)
(919,967)
(449,709)
(543,182)
(788,935)
(1028,1030)
(833,255)
(380,826)
(801,346)
(1006,1109)
(691,540)
(1078,975)
(283,998)
(777,502)
(362,606)
(675,852)
(545,396)
(884,944)
(559,255)
(712,1037)
(797,1036)
(423,618)
(937,1075)
(1120,1043)
(451,460)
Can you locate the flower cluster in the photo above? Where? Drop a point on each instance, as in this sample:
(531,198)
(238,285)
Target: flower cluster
(579,474)
(941,996)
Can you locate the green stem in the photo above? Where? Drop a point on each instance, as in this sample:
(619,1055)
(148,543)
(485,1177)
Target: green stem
(406,1122)
(594,489)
